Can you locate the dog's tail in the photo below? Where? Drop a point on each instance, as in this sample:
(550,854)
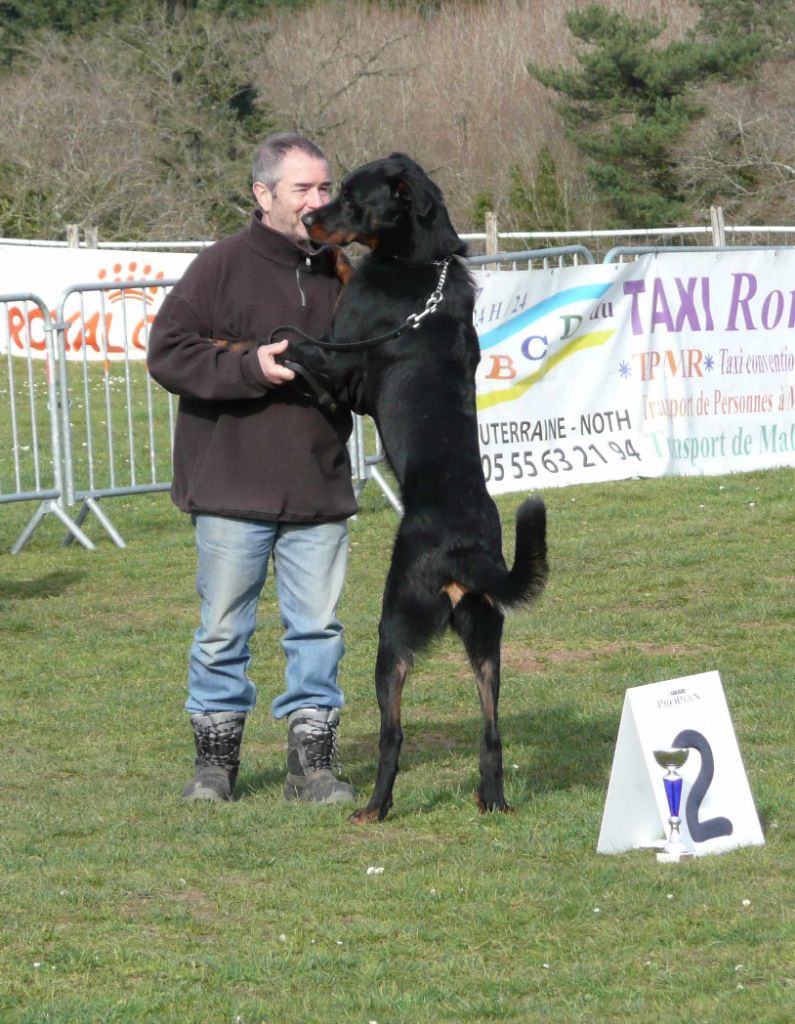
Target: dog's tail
(525,580)
(530,570)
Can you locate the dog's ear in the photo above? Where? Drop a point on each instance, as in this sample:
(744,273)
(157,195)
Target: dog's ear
(417,192)
(408,197)
(402,191)
(413,186)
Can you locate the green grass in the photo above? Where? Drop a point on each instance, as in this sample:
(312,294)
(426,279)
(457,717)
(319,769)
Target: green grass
(123,904)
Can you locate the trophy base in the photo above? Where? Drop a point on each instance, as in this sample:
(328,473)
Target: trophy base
(673,853)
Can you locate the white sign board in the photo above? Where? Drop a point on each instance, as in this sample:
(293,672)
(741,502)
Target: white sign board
(676,364)
(718,811)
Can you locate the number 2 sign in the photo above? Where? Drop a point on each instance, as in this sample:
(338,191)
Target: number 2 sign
(718,809)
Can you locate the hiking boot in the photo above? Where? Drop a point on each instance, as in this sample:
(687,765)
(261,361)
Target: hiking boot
(218,736)
(311,751)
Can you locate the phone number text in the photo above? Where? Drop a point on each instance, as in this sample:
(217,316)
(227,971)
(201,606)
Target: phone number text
(525,464)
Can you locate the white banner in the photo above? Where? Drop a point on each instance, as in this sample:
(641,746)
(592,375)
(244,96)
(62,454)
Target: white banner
(681,363)
(96,327)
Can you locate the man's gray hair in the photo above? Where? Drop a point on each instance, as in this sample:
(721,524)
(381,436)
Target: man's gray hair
(268,158)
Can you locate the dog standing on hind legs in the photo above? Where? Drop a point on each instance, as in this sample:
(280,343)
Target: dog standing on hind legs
(404,350)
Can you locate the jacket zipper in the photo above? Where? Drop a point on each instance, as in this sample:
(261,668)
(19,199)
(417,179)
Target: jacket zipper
(298,281)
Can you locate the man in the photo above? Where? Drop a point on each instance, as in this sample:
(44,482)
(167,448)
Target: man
(263,472)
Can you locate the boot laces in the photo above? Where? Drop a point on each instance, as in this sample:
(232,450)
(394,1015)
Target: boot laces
(321,746)
(218,743)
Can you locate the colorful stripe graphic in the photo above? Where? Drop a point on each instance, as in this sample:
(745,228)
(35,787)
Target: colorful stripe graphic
(523,320)
(585,341)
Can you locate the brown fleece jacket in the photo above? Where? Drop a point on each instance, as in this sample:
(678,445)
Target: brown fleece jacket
(243,447)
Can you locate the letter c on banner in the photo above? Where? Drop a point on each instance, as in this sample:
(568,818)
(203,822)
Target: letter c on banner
(535,347)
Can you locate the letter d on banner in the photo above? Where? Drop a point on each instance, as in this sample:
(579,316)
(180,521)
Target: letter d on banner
(718,812)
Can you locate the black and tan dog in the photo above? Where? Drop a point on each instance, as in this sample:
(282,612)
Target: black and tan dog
(405,353)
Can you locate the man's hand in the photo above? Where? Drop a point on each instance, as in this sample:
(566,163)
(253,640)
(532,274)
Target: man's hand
(273,372)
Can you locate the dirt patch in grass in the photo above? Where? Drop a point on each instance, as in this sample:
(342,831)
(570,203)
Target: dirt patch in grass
(201,908)
(520,659)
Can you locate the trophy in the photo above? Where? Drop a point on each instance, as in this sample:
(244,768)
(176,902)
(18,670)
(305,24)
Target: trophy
(672,760)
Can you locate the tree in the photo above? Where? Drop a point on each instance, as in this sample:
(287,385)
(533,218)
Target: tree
(19,19)
(771,21)
(741,156)
(193,73)
(630,99)
(148,131)
(22,19)
(542,204)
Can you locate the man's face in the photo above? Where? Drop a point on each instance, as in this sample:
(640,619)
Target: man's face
(304,186)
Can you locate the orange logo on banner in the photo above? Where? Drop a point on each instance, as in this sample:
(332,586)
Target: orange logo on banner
(26,334)
(145,295)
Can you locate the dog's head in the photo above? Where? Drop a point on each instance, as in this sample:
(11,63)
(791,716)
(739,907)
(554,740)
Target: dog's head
(390,205)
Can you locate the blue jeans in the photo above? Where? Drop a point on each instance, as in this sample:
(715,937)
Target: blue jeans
(309,563)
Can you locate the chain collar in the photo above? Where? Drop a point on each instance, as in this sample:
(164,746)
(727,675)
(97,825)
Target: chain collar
(412,321)
(415,319)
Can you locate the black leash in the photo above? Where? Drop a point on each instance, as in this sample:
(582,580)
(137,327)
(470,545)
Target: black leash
(412,321)
(324,396)
(325,399)
(338,346)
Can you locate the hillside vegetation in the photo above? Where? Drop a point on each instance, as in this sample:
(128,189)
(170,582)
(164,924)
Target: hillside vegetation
(141,119)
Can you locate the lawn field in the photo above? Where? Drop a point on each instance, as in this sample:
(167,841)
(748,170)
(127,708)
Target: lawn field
(121,903)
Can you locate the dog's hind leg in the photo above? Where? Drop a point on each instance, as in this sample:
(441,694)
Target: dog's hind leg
(410,618)
(479,624)
(391,668)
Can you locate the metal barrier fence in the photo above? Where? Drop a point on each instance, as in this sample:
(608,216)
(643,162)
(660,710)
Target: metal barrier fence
(629,253)
(117,424)
(31,467)
(531,259)
(85,420)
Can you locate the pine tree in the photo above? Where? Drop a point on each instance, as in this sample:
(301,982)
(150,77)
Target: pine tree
(540,204)
(771,21)
(631,99)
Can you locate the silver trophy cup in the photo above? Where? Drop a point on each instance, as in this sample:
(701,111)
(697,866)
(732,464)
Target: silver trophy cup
(672,760)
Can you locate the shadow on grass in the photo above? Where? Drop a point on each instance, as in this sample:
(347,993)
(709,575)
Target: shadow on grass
(566,749)
(555,749)
(251,783)
(52,585)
